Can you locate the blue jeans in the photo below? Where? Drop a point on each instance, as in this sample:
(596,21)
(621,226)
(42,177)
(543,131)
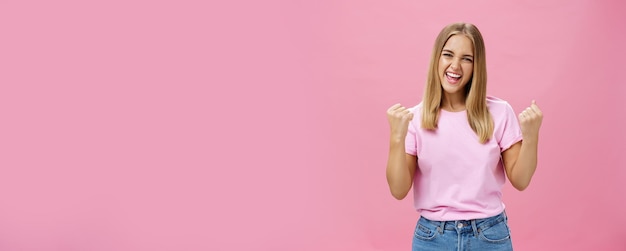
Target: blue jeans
(480,234)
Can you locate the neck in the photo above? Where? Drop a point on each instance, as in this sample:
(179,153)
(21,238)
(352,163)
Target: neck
(453,102)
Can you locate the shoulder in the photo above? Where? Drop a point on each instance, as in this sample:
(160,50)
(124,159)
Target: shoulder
(498,106)
(416,109)
(417,114)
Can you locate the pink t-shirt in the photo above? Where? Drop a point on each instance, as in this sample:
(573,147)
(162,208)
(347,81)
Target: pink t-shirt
(458,178)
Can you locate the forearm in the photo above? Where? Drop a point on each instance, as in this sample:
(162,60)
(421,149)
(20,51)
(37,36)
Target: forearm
(526,164)
(399,175)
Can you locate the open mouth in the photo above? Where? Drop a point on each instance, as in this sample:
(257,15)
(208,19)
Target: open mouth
(453,78)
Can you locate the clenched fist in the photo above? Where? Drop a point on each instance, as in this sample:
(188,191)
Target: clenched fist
(530,121)
(399,118)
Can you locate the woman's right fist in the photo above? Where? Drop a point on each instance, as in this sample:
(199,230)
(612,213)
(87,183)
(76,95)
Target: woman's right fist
(399,118)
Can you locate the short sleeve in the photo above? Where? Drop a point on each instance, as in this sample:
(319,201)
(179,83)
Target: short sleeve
(511,133)
(410,142)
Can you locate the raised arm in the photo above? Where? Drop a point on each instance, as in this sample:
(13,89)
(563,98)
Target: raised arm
(400,165)
(520,160)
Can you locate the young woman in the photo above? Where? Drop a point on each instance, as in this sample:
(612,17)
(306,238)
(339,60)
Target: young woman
(456,146)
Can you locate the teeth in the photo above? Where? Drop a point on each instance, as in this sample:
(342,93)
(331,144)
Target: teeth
(453,75)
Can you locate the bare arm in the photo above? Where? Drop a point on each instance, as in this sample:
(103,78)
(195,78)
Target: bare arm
(400,170)
(520,160)
(400,165)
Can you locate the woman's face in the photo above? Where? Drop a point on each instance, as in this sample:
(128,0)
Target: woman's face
(456,64)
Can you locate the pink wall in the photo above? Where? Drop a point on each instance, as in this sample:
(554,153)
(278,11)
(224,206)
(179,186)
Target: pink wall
(260,125)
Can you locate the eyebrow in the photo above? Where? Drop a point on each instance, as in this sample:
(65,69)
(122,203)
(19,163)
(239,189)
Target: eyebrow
(466,55)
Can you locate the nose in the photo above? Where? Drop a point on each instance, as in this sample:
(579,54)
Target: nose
(455,64)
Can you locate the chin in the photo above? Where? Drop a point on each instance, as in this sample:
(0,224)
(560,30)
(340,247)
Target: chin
(451,91)
(453,88)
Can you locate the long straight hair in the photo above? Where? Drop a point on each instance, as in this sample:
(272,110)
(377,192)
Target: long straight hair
(478,115)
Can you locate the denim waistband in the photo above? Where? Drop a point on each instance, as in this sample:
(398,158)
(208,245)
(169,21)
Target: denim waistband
(475,225)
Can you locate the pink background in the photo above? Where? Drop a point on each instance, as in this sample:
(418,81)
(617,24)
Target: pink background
(260,125)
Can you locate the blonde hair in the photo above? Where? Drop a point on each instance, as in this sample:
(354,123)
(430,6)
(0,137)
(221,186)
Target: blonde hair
(478,115)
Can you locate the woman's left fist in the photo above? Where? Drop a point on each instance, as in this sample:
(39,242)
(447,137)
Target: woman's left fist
(530,121)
